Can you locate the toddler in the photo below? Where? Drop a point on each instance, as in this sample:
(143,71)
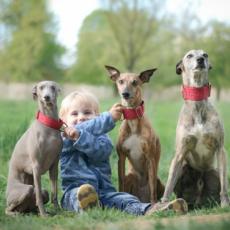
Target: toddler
(85,166)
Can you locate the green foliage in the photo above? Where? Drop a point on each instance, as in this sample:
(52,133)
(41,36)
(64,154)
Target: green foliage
(30,53)
(96,48)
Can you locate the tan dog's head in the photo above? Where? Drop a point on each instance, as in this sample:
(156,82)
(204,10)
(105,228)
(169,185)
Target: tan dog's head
(194,68)
(129,84)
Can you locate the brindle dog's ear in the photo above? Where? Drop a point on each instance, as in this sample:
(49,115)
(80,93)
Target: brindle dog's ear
(58,88)
(179,67)
(113,72)
(209,66)
(34,92)
(145,75)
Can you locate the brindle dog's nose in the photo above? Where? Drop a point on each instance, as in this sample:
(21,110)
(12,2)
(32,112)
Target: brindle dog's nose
(47,98)
(126,95)
(200,60)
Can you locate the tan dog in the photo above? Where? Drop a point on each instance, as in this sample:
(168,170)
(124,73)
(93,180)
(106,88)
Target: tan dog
(200,133)
(36,152)
(137,140)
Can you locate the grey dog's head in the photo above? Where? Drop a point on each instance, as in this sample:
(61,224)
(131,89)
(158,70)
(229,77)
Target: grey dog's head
(194,68)
(46,92)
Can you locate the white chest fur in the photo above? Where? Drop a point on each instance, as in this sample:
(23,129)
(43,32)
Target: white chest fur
(133,144)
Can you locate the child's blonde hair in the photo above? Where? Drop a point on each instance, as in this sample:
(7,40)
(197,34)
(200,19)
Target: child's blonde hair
(81,97)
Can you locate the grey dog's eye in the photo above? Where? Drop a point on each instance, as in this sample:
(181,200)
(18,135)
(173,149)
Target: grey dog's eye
(189,55)
(205,55)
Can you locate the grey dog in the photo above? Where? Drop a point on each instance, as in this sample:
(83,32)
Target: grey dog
(36,152)
(200,133)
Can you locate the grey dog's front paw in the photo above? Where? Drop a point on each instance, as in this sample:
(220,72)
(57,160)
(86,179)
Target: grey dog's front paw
(225,202)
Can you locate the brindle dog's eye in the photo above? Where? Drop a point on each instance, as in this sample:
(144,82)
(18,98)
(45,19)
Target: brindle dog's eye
(134,83)
(53,88)
(189,56)
(205,55)
(120,82)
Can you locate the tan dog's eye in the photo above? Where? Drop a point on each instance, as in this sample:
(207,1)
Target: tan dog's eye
(205,55)
(134,83)
(120,82)
(189,56)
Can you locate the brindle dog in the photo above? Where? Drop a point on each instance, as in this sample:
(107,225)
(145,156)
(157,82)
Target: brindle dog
(200,133)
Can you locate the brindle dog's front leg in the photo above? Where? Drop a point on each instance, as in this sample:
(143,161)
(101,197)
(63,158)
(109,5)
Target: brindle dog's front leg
(222,167)
(187,144)
(174,173)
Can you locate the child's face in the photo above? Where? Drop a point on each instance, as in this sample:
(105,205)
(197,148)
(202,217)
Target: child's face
(79,112)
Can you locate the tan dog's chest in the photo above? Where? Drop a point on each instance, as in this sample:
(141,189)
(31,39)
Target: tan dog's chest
(133,145)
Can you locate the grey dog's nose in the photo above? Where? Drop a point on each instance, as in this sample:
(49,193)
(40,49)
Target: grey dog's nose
(125,95)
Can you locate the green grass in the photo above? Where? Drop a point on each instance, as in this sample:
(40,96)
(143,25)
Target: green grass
(15,118)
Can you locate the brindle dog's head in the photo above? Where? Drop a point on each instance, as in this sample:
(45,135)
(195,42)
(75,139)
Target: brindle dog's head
(129,84)
(194,68)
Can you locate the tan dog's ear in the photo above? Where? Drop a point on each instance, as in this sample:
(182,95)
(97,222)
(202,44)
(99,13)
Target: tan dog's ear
(34,92)
(145,75)
(113,72)
(179,67)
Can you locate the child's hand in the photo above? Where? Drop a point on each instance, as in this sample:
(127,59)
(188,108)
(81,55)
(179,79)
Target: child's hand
(71,133)
(116,111)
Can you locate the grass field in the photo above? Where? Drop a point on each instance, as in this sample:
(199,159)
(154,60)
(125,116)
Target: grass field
(15,118)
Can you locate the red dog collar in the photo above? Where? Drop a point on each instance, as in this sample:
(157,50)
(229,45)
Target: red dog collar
(48,121)
(196,94)
(134,113)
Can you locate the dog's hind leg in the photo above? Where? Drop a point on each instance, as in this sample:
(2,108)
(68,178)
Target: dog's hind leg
(19,198)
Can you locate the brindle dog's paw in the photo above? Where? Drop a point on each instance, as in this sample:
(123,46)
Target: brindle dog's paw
(225,202)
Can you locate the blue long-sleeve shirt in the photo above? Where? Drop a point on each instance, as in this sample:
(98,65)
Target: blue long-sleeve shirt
(87,159)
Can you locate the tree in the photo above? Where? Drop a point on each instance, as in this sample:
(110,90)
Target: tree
(30,52)
(217,44)
(96,47)
(133,23)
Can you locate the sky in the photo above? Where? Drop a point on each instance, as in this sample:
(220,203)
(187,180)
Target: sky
(71,13)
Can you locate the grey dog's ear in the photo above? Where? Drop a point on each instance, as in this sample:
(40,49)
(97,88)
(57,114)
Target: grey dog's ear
(113,72)
(34,92)
(179,67)
(145,75)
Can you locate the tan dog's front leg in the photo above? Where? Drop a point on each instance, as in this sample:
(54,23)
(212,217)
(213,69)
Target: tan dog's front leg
(53,172)
(121,170)
(152,174)
(222,167)
(174,173)
(38,190)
